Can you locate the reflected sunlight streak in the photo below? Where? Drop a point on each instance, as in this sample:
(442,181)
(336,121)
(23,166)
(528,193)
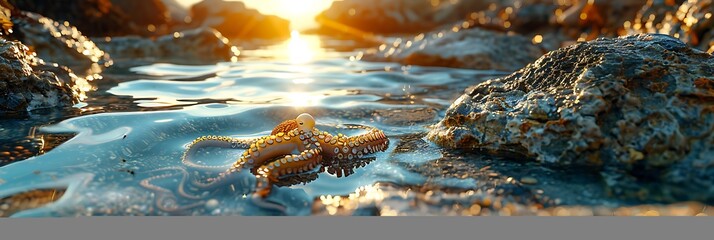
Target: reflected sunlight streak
(301,99)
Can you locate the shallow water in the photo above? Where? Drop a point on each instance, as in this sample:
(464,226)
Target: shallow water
(137,127)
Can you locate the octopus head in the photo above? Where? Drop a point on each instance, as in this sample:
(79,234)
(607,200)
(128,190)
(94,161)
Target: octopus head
(305,122)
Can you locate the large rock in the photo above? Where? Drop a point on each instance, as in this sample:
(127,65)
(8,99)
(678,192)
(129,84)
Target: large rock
(235,20)
(57,42)
(468,48)
(27,83)
(691,21)
(199,45)
(641,108)
(99,18)
(395,16)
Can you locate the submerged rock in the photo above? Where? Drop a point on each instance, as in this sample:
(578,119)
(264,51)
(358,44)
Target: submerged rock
(690,21)
(202,44)
(235,20)
(468,48)
(640,108)
(56,42)
(27,83)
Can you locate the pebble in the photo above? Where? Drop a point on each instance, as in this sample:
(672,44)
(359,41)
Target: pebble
(212,204)
(475,209)
(529,180)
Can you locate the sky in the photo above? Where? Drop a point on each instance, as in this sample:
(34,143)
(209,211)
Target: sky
(301,13)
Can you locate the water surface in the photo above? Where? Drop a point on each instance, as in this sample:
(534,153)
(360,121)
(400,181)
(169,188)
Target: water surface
(137,124)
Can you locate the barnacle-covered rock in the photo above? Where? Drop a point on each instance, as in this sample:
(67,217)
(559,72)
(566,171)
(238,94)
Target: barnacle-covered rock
(198,45)
(640,108)
(468,48)
(27,83)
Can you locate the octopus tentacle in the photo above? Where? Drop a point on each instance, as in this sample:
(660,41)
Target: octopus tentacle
(269,147)
(343,147)
(146,183)
(258,154)
(292,164)
(165,200)
(212,141)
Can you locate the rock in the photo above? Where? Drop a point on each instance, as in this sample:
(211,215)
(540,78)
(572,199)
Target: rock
(56,42)
(28,84)
(640,108)
(235,21)
(144,12)
(5,14)
(558,23)
(529,180)
(395,16)
(199,45)
(99,18)
(690,21)
(468,48)
(178,14)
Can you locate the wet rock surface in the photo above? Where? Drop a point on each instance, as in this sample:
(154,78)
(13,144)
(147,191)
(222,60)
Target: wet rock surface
(28,83)
(637,108)
(198,45)
(235,20)
(690,21)
(460,48)
(57,42)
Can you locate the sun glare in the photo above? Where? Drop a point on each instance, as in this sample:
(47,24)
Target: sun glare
(300,13)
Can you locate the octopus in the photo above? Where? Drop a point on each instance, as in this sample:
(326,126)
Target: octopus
(294,147)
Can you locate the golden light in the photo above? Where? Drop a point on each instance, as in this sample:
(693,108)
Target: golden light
(300,13)
(299,51)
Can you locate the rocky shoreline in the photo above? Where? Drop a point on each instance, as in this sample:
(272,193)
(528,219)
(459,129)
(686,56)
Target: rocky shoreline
(80,38)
